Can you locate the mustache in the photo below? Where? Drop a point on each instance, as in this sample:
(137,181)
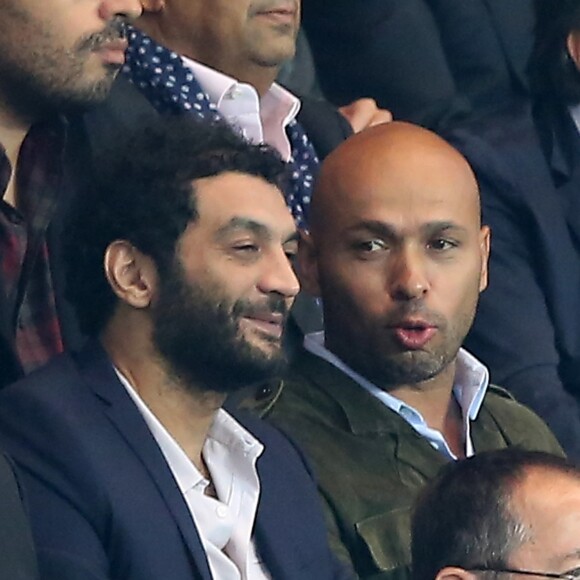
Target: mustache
(115,30)
(272,305)
(416,310)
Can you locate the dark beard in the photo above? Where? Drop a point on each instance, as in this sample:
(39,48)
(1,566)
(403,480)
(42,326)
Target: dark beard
(55,82)
(196,332)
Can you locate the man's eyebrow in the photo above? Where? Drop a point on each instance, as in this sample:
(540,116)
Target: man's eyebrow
(244,224)
(387,230)
(443,226)
(376,227)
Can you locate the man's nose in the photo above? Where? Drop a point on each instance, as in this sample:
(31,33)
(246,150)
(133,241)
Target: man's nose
(408,277)
(278,276)
(126,9)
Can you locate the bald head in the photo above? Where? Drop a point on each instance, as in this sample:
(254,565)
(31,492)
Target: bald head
(397,159)
(397,253)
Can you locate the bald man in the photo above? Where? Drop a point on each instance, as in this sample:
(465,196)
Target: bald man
(491,512)
(385,396)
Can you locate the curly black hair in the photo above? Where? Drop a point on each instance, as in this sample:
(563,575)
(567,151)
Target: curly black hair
(144,193)
(553,73)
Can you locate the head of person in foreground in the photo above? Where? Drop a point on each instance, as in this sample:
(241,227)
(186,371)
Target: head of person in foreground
(500,514)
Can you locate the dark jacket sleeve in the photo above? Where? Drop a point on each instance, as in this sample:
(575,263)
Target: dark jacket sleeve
(67,543)
(325,126)
(17,556)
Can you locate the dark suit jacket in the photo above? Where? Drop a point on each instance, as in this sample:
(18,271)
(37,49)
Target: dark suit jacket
(103,501)
(528,324)
(428,61)
(17,557)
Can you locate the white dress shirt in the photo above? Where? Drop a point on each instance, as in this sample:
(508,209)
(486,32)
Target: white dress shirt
(575,112)
(259,120)
(224,524)
(469,388)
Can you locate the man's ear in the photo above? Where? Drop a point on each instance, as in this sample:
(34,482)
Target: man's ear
(131,274)
(484,248)
(573,46)
(307,265)
(453,573)
(152,5)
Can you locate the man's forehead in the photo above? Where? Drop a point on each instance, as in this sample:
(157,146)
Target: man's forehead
(403,167)
(235,201)
(401,210)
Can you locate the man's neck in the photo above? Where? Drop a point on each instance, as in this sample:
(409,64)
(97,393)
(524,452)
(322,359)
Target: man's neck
(186,413)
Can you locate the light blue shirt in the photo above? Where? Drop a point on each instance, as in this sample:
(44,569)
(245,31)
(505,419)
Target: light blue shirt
(469,388)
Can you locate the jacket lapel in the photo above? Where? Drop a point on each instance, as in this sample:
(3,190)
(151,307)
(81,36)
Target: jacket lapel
(561,145)
(96,368)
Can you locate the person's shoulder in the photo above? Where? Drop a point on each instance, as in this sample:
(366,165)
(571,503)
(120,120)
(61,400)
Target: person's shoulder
(312,393)
(513,122)
(56,394)
(519,424)
(306,385)
(500,399)
(45,379)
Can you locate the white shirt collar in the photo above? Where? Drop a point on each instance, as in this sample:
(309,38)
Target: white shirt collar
(225,524)
(260,120)
(225,430)
(575,112)
(470,386)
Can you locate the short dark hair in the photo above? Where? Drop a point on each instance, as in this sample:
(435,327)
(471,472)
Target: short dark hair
(553,74)
(143,193)
(463,517)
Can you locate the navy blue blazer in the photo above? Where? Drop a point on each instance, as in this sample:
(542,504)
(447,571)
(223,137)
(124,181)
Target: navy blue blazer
(527,329)
(103,501)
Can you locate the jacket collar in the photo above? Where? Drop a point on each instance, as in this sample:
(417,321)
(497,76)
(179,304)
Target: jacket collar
(364,413)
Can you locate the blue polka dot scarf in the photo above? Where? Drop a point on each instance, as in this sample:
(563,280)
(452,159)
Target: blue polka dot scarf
(171,87)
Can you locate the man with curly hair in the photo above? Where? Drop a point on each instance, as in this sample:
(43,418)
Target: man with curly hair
(179,268)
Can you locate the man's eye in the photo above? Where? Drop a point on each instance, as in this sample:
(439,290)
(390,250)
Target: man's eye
(371,246)
(442,244)
(246,248)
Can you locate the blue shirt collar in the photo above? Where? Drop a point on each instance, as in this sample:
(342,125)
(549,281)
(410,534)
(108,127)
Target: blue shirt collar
(470,386)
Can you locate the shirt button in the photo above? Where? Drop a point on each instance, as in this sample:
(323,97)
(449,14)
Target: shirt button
(264,392)
(234,93)
(222,511)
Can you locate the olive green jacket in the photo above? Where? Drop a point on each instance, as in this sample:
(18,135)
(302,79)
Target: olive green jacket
(371,464)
